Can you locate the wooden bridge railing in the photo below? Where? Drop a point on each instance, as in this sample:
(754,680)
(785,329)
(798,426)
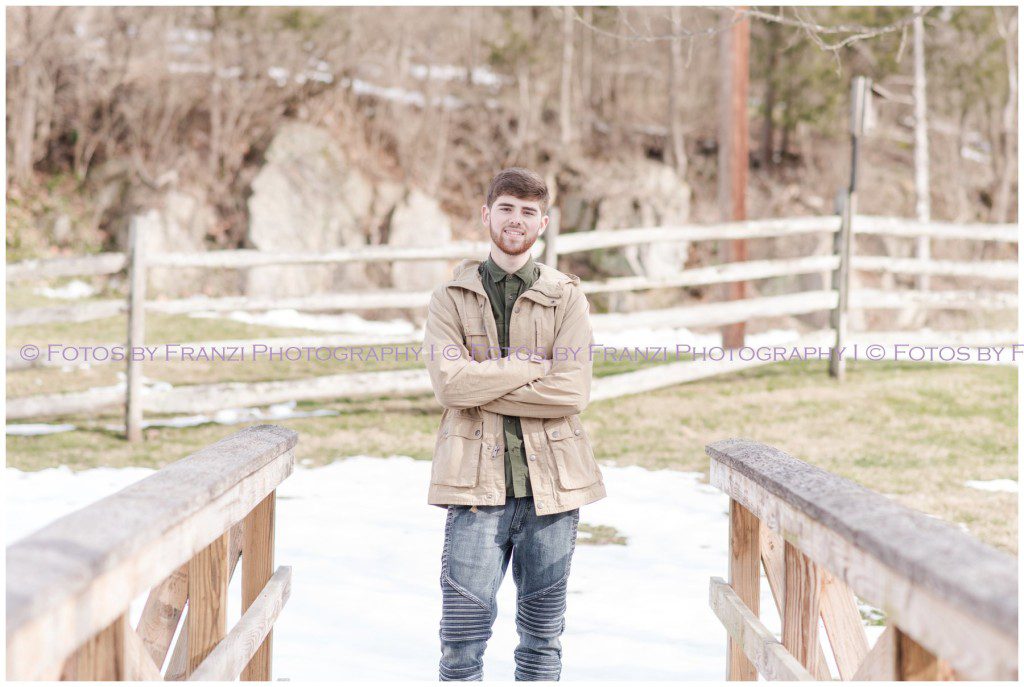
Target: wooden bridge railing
(950,601)
(178,533)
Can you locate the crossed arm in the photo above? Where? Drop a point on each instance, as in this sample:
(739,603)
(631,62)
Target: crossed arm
(510,386)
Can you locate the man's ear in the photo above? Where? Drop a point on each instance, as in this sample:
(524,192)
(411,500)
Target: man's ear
(485,213)
(543,225)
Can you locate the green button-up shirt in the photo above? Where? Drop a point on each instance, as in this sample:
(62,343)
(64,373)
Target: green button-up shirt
(503,289)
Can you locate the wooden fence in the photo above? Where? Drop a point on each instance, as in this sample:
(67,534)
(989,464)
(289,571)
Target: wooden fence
(212,397)
(178,533)
(950,601)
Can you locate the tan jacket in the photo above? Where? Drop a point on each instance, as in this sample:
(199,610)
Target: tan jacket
(552,317)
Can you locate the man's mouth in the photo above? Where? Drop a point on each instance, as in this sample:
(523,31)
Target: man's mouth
(514,232)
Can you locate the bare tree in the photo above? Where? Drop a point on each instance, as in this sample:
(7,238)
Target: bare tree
(565,104)
(921,184)
(675,125)
(1006,25)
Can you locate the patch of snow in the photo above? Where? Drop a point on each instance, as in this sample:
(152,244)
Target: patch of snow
(366,550)
(481,76)
(399,95)
(73,290)
(38,429)
(234,416)
(681,336)
(1007,485)
(347,323)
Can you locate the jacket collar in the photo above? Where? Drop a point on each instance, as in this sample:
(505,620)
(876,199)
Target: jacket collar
(548,286)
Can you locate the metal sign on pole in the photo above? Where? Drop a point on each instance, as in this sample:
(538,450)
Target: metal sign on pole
(860,108)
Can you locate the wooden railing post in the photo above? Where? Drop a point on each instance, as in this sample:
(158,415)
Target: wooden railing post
(745,580)
(207,617)
(914,662)
(257,568)
(102,657)
(136,329)
(801,606)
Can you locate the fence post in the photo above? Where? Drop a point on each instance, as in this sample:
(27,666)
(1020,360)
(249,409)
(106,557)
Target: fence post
(136,329)
(551,238)
(745,580)
(859,94)
(257,568)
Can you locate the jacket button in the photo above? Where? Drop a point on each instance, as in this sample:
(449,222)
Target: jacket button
(554,435)
(533,456)
(515,309)
(476,433)
(577,432)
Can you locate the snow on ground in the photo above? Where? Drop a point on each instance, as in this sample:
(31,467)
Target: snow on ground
(73,290)
(227,416)
(681,336)
(403,330)
(365,551)
(385,330)
(37,429)
(1008,485)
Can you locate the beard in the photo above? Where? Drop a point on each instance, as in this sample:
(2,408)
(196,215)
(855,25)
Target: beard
(512,247)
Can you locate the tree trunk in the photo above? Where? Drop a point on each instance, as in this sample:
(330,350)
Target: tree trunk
(565,106)
(587,74)
(677,147)
(1007,135)
(922,185)
(768,123)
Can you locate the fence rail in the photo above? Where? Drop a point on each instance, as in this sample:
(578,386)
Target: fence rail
(951,601)
(178,533)
(203,398)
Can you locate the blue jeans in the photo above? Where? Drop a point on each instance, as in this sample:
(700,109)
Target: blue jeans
(477,549)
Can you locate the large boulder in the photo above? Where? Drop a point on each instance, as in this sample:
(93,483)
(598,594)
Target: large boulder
(307,198)
(179,223)
(171,220)
(640,193)
(637,193)
(417,220)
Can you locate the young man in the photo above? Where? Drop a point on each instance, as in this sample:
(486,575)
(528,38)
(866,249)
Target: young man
(508,349)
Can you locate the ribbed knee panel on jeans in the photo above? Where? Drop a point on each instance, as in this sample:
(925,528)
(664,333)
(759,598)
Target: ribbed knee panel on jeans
(462,618)
(543,615)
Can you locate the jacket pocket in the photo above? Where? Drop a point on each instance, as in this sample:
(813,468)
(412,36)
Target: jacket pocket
(574,462)
(476,337)
(457,460)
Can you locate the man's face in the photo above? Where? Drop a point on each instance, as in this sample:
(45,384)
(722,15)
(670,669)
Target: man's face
(514,223)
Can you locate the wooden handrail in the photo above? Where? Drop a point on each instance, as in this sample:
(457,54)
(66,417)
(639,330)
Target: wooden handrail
(74,579)
(948,595)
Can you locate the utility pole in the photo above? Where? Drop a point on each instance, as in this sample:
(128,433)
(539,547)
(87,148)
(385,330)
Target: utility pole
(733,154)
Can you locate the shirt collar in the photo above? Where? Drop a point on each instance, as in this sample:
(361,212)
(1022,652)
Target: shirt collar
(527,273)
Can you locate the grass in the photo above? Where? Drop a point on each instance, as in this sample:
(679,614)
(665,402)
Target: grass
(914,431)
(600,535)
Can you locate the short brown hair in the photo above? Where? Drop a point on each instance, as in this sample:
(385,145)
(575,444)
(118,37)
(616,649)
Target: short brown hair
(520,183)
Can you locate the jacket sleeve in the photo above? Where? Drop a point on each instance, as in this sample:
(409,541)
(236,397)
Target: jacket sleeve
(458,380)
(565,390)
